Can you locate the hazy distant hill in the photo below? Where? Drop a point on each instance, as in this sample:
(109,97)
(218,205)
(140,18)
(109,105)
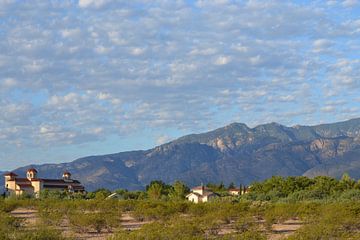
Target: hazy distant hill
(235,153)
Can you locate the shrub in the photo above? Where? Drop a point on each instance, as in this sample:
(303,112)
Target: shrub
(41,233)
(353,195)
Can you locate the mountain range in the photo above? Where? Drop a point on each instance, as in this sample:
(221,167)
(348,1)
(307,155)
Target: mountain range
(234,153)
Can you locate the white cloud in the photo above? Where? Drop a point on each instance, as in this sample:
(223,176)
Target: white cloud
(222,60)
(321,45)
(8,82)
(103,96)
(350,3)
(255,60)
(163,139)
(93,3)
(205,52)
(328,109)
(102,50)
(137,51)
(70,33)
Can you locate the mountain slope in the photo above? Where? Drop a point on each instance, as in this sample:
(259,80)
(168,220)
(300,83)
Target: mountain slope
(235,153)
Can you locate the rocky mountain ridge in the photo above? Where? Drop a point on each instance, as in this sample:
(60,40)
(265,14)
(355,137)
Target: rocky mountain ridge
(235,153)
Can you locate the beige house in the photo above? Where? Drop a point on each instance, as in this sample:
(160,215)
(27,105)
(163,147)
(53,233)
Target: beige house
(234,191)
(238,191)
(201,194)
(16,186)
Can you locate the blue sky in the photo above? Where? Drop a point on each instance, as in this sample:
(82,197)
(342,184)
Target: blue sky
(87,77)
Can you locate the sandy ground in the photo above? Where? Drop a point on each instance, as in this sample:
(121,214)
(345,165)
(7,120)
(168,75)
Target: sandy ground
(279,231)
(285,229)
(29,216)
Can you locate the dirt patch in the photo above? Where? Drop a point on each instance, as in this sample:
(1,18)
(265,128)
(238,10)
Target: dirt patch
(130,223)
(28,215)
(285,229)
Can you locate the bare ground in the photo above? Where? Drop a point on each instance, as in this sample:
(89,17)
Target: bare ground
(278,232)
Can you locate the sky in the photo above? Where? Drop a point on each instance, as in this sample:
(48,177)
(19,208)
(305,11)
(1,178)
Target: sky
(90,77)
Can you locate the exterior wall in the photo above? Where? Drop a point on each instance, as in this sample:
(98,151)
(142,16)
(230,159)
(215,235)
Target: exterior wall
(37,185)
(193,198)
(10,185)
(235,193)
(20,191)
(199,191)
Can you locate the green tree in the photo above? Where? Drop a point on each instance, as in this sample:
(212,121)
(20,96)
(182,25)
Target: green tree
(231,185)
(179,191)
(346,182)
(155,190)
(102,193)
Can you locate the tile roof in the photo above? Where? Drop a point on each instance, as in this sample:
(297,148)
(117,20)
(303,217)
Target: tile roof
(234,189)
(10,174)
(200,187)
(59,181)
(24,185)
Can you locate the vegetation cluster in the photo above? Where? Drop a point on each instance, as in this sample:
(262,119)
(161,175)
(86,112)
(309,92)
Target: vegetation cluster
(327,209)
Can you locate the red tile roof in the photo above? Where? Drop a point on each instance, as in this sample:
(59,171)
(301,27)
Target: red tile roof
(59,181)
(32,170)
(22,180)
(64,186)
(24,185)
(200,187)
(10,174)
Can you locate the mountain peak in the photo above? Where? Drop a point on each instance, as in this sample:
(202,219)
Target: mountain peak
(234,153)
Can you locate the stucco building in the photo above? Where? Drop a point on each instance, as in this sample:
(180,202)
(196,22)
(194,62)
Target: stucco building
(33,185)
(201,194)
(238,191)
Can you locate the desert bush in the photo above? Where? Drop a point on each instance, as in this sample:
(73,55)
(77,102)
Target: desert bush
(158,210)
(280,212)
(40,233)
(245,223)
(127,205)
(180,229)
(9,225)
(353,195)
(247,235)
(95,216)
(332,221)
(9,204)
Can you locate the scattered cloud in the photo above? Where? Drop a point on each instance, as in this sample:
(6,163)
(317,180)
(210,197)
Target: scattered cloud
(93,3)
(163,139)
(76,72)
(350,3)
(222,60)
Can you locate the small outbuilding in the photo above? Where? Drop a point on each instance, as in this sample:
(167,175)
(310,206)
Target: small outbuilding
(201,194)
